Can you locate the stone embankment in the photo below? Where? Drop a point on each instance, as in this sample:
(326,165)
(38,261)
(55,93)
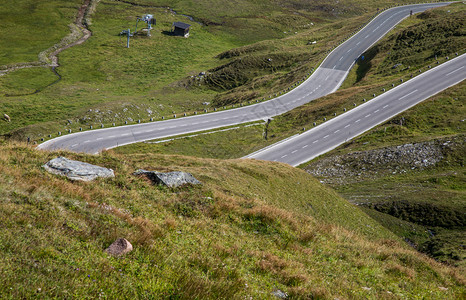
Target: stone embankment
(359,165)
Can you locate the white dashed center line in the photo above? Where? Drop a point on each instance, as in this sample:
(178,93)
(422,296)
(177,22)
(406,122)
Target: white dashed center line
(284,156)
(385,106)
(305,146)
(337,131)
(294,151)
(367,116)
(347,126)
(315,141)
(326,136)
(357,120)
(98,139)
(376,111)
(407,95)
(448,74)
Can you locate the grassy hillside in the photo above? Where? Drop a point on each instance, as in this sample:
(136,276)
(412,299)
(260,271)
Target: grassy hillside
(29,27)
(418,42)
(423,204)
(408,201)
(441,116)
(102,81)
(251,228)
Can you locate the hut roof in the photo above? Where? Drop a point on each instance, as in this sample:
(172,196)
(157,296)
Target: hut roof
(181,25)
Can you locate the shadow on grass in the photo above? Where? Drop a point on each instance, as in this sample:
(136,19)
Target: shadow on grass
(364,65)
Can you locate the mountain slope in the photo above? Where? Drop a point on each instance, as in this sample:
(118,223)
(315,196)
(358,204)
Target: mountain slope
(251,229)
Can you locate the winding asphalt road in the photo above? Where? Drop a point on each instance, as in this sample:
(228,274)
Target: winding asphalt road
(325,80)
(327,136)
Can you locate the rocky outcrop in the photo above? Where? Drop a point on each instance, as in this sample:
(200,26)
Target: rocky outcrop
(119,247)
(396,159)
(170,179)
(76,170)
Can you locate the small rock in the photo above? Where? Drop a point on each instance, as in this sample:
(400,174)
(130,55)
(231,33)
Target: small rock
(442,288)
(119,247)
(170,179)
(76,170)
(280,294)
(7,117)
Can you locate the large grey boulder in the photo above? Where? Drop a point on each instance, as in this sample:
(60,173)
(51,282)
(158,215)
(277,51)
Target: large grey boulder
(170,179)
(77,170)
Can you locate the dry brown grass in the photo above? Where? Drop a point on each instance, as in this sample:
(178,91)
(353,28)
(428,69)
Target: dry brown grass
(240,239)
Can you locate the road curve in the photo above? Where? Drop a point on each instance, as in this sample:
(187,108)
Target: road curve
(325,80)
(329,135)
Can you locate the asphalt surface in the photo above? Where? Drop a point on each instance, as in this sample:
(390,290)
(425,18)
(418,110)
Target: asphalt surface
(325,137)
(325,80)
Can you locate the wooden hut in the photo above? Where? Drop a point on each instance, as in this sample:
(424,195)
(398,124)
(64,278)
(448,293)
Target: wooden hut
(181,29)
